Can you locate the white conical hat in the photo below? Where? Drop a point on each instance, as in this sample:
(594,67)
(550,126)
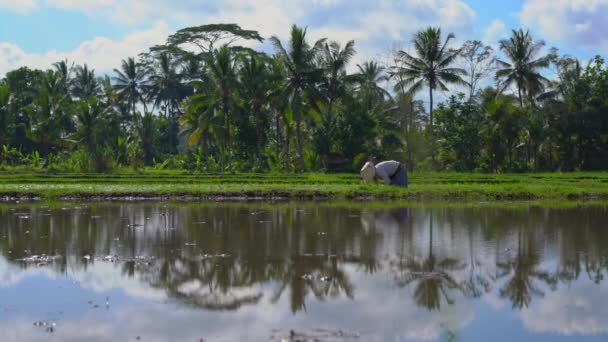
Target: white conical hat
(368,171)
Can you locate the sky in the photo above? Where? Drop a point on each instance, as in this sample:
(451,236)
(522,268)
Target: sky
(37,33)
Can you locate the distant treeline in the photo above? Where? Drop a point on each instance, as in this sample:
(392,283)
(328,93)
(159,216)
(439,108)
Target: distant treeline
(204,102)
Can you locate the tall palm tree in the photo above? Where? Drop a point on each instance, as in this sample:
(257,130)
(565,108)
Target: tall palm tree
(66,72)
(256,82)
(164,84)
(334,60)
(48,112)
(5,118)
(211,107)
(165,90)
(523,71)
(91,117)
(130,83)
(302,76)
(369,77)
(85,85)
(145,133)
(431,67)
(222,73)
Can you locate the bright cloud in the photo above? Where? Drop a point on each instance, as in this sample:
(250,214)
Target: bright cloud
(578,311)
(20,6)
(577,23)
(374,26)
(495,31)
(100,53)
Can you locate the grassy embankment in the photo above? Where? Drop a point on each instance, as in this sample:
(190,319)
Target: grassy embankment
(181,185)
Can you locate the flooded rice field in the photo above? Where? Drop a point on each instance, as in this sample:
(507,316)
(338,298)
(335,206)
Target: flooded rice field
(301,272)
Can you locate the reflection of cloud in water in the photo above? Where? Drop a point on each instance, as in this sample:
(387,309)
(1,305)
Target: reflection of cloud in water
(579,310)
(99,277)
(395,317)
(10,275)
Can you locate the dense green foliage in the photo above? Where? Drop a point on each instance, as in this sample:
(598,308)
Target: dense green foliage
(203,103)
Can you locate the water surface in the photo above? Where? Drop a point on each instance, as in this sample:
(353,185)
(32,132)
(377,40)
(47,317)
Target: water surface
(298,271)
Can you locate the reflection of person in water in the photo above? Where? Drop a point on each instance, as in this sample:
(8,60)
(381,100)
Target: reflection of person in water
(390,218)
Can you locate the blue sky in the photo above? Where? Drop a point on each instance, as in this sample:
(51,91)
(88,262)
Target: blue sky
(37,33)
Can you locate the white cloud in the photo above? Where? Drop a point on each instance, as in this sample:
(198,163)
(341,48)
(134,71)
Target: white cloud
(494,32)
(570,311)
(372,26)
(577,23)
(83,5)
(19,6)
(100,53)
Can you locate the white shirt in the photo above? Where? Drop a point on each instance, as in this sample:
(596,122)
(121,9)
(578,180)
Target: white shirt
(386,169)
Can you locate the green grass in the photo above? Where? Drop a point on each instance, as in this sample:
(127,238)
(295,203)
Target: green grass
(424,186)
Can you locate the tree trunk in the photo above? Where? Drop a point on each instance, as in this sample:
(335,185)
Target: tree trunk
(278,132)
(300,145)
(432,127)
(521,101)
(227,125)
(409,122)
(259,133)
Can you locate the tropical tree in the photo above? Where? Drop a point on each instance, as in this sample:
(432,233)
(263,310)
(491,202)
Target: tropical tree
(368,80)
(302,76)
(256,83)
(524,66)
(165,90)
(48,113)
(334,60)
(65,71)
(130,83)
(5,118)
(222,73)
(92,126)
(431,67)
(85,85)
(478,61)
(145,136)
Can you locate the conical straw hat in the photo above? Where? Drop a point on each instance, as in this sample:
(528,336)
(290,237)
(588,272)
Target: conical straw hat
(368,171)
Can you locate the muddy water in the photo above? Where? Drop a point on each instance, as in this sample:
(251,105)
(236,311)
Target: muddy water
(298,271)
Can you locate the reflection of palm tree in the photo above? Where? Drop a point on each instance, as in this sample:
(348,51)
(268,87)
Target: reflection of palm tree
(213,284)
(522,286)
(319,275)
(430,275)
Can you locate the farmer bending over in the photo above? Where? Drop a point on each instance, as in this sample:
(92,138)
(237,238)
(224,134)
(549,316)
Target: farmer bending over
(390,171)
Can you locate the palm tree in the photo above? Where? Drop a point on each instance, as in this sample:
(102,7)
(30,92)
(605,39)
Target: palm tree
(256,82)
(5,119)
(210,109)
(165,90)
(523,69)
(145,134)
(90,117)
(85,84)
(48,112)
(369,76)
(334,60)
(431,67)
(164,84)
(222,73)
(130,83)
(65,71)
(302,76)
